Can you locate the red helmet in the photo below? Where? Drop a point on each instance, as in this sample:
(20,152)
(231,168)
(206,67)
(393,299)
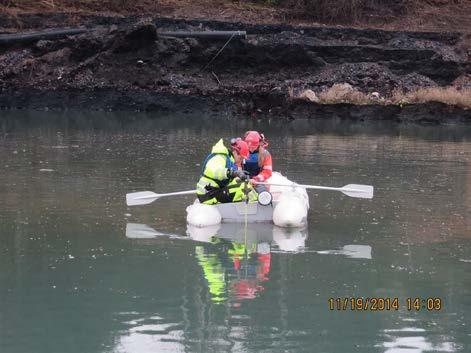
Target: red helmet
(253,139)
(241,147)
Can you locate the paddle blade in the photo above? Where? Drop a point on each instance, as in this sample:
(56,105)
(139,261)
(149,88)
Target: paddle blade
(357,190)
(141,198)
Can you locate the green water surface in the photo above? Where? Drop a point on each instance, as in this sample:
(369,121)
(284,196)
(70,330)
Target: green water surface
(81,272)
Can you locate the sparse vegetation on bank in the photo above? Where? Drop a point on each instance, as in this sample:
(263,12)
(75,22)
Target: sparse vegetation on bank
(345,93)
(448,95)
(77,5)
(428,15)
(346,11)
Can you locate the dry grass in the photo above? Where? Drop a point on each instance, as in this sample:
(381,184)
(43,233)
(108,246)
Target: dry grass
(25,4)
(88,5)
(422,15)
(344,11)
(338,93)
(326,10)
(344,93)
(447,95)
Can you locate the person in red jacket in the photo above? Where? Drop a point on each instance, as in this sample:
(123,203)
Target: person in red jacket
(259,164)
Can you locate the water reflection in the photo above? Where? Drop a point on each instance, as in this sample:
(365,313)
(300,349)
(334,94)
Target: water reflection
(233,270)
(149,335)
(235,259)
(352,251)
(411,340)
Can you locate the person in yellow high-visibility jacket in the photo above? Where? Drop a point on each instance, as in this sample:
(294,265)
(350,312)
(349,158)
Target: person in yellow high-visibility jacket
(221,180)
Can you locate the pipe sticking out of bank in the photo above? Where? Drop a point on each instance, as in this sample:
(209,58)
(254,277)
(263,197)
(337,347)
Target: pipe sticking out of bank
(34,36)
(59,33)
(205,34)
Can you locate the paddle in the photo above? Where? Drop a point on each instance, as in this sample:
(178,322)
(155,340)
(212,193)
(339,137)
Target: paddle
(143,231)
(352,190)
(146,197)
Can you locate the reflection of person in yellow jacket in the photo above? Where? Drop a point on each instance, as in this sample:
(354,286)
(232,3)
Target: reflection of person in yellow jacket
(214,274)
(238,278)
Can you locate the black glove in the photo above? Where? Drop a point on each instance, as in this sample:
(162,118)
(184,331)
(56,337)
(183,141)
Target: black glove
(241,174)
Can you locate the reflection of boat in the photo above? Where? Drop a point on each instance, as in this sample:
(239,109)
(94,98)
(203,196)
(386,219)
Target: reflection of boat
(143,231)
(260,234)
(288,208)
(285,239)
(235,260)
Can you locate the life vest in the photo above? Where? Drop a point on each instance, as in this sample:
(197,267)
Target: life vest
(257,172)
(251,164)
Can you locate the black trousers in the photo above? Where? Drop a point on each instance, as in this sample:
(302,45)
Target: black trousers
(222,195)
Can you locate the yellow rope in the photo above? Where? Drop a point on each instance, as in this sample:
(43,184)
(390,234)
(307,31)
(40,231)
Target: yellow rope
(245,219)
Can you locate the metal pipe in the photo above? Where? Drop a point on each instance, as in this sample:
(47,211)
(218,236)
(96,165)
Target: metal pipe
(33,36)
(205,34)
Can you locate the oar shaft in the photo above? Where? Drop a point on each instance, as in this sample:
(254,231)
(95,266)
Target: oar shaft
(155,196)
(314,187)
(188,192)
(294,185)
(320,187)
(352,190)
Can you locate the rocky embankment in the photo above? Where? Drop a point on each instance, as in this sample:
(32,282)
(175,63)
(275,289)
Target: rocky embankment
(126,64)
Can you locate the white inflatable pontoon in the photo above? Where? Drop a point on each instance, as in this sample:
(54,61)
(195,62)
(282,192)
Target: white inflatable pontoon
(288,208)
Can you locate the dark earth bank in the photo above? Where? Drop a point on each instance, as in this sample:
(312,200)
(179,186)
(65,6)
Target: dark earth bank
(124,63)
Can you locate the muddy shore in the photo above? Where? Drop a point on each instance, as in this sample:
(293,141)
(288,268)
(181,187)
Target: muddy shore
(123,63)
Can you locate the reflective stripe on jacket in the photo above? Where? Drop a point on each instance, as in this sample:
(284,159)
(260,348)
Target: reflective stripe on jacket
(215,168)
